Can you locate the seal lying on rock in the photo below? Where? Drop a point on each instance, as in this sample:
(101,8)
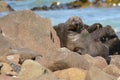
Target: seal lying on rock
(74,24)
(108,36)
(94,27)
(84,44)
(95,40)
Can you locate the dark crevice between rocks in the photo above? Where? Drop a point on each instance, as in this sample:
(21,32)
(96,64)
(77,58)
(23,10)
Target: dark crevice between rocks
(51,36)
(11,9)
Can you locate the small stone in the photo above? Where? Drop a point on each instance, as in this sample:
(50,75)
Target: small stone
(15,67)
(13,58)
(7,70)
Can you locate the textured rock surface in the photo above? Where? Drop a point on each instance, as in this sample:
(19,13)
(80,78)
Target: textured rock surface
(7,70)
(112,70)
(3,77)
(97,74)
(62,58)
(34,71)
(4,7)
(28,30)
(71,74)
(115,59)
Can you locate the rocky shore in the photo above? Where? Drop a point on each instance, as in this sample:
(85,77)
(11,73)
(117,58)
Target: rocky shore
(32,49)
(78,4)
(61,6)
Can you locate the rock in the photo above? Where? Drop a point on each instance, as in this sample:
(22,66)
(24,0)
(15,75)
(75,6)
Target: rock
(13,58)
(21,54)
(55,5)
(112,70)
(97,74)
(16,68)
(115,60)
(34,71)
(5,46)
(5,7)
(38,34)
(118,78)
(61,59)
(58,6)
(40,8)
(71,74)
(4,77)
(1,65)
(100,62)
(98,3)
(7,70)
(24,54)
(79,4)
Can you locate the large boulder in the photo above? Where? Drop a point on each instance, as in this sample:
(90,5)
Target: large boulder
(5,7)
(97,74)
(71,74)
(61,59)
(25,29)
(34,71)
